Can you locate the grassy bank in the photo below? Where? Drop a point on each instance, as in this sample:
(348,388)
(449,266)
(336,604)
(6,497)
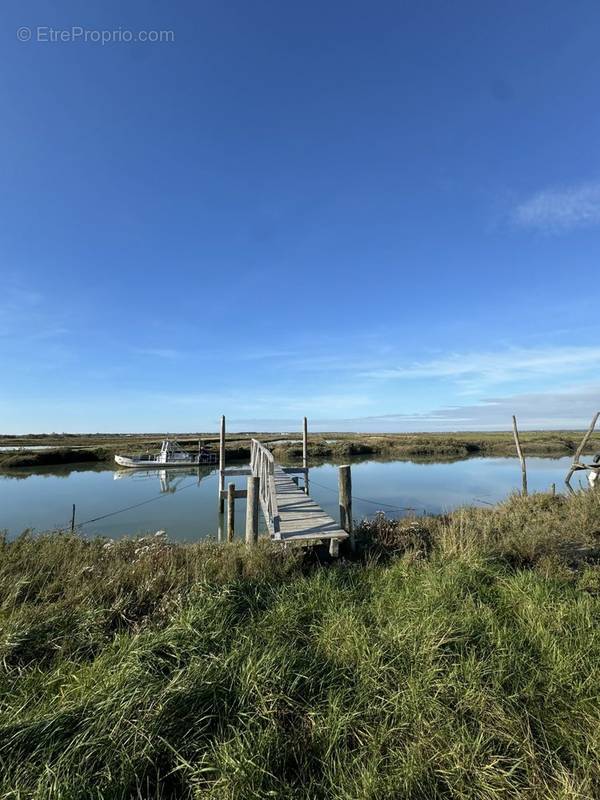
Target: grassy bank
(438,445)
(459,656)
(101,448)
(60,455)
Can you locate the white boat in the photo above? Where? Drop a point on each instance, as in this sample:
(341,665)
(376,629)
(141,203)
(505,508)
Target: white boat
(171,454)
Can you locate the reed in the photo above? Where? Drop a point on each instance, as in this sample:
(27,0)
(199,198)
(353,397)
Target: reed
(457,656)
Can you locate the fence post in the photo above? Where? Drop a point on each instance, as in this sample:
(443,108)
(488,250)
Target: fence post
(305,452)
(222,465)
(521,457)
(253,491)
(345,501)
(230,512)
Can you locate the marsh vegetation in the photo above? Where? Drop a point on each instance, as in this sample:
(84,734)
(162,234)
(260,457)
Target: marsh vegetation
(76,448)
(454,656)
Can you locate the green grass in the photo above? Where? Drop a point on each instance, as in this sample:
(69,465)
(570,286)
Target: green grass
(459,657)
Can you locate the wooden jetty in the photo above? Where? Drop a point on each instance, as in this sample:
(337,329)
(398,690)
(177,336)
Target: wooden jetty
(290,514)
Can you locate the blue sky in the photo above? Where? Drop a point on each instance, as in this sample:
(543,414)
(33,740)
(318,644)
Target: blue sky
(383,215)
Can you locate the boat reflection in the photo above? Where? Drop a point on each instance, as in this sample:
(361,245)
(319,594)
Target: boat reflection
(169,479)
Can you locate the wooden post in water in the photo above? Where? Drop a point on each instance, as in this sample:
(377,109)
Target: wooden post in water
(305,452)
(345,501)
(73,520)
(230,512)
(252,497)
(521,457)
(581,447)
(222,465)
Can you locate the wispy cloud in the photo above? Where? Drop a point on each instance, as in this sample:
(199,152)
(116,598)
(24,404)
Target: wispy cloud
(561,209)
(537,410)
(566,409)
(497,367)
(253,405)
(159,352)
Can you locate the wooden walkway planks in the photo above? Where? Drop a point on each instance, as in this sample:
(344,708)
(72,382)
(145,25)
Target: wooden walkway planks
(300,518)
(290,514)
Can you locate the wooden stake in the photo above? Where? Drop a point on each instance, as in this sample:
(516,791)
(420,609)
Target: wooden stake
(581,447)
(345,500)
(230,512)
(73,520)
(252,497)
(521,457)
(222,465)
(305,452)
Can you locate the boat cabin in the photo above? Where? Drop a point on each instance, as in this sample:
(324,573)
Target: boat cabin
(171,451)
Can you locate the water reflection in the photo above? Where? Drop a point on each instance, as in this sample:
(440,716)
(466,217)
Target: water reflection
(169,480)
(183,501)
(51,471)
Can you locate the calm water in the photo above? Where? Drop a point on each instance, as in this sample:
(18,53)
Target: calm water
(183,502)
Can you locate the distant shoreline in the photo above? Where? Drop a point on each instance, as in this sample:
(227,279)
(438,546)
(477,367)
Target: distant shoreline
(101,448)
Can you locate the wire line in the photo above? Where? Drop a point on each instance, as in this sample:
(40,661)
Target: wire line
(364,499)
(135,505)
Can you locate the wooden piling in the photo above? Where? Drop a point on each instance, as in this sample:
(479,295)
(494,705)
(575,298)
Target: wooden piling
(230,512)
(252,498)
(345,500)
(305,452)
(521,457)
(581,447)
(222,465)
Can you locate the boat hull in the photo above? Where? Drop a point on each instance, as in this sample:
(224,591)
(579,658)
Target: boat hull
(132,463)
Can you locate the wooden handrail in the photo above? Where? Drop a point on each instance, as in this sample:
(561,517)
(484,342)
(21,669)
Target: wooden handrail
(262,465)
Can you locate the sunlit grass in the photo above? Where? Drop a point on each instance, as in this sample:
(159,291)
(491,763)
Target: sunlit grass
(459,657)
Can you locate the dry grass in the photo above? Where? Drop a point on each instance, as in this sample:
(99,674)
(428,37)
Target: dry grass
(459,658)
(103,447)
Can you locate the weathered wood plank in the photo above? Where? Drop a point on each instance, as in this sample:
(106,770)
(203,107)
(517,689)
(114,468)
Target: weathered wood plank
(237,471)
(290,514)
(237,493)
(299,516)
